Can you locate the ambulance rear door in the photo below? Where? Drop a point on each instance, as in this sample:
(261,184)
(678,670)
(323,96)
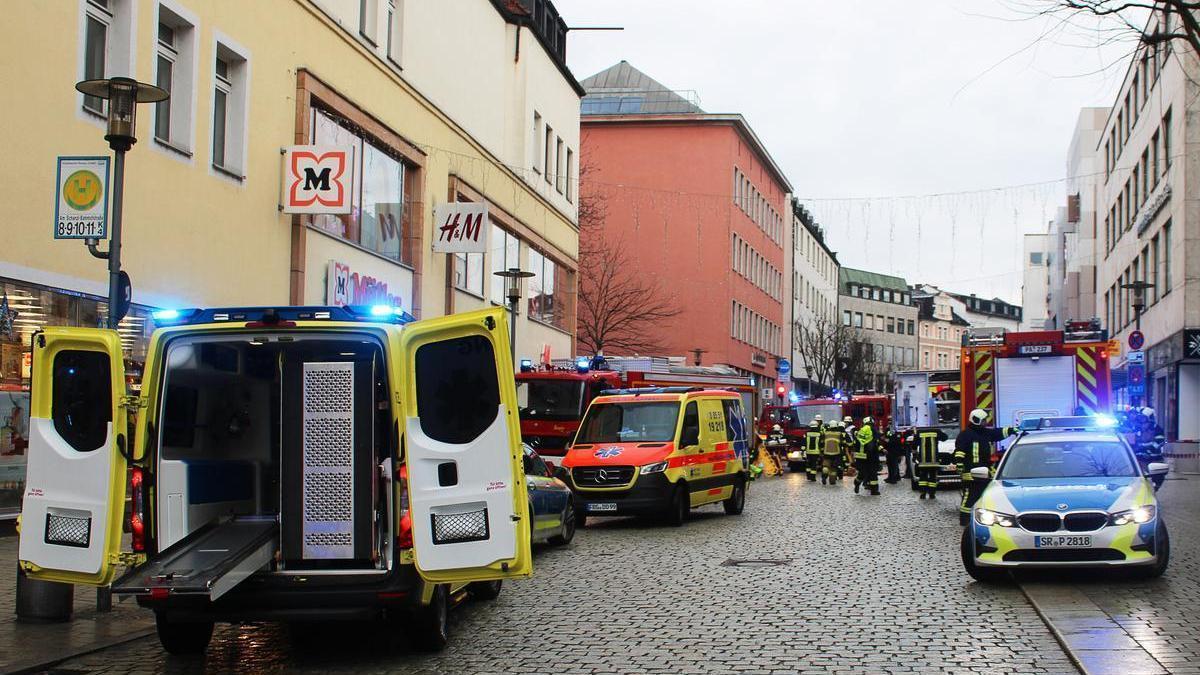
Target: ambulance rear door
(467,495)
(78,442)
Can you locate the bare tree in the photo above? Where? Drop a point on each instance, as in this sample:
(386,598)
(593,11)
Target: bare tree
(839,355)
(1149,22)
(860,363)
(620,311)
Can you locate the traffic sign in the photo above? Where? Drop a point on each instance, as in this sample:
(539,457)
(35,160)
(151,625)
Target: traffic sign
(81,198)
(785,368)
(1137,374)
(1136,357)
(1137,340)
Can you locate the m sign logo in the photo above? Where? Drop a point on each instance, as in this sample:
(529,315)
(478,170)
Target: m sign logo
(317,179)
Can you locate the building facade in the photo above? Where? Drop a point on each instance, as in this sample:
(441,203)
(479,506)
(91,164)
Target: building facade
(700,204)
(428,121)
(1035,281)
(814,292)
(1078,246)
(983,313)
(878,309)
(939,329)
(1147,224)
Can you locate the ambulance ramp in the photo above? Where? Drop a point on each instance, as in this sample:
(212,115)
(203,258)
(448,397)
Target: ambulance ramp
(208,562)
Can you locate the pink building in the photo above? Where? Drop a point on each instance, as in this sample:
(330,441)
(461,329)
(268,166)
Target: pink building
(700,203)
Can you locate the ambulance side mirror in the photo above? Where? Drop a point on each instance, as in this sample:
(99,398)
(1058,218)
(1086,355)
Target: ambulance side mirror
(1158,469)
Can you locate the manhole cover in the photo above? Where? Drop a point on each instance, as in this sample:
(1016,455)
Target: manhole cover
(756,562)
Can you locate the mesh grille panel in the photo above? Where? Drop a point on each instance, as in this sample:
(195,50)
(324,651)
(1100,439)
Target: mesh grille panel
(328,388)
(328,442)
(456,528)
(328,461)
(66,530)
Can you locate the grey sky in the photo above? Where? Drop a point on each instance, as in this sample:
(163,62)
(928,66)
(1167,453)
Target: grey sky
(877,98)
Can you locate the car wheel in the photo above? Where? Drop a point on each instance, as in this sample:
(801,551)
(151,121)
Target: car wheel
(430,627)
(568,527)
(983,575)
(485,590)
(737,500)
(1162,544)
(183,638)
(680,506)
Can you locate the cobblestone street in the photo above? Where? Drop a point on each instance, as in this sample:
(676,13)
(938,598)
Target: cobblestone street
(873,585)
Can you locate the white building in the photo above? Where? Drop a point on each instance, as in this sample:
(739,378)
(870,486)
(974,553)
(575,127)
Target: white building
(814,289)
(1078,245)
(1035,282)
(1147,220)
(985,313)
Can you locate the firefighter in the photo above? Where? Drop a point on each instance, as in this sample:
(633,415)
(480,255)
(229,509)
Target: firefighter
(832,442)
(973,448)
(893,445)
(812,450)
(927,460)
(866,457)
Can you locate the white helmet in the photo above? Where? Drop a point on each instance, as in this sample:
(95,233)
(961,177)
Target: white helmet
(818,418)
(1147,411)
(868,420)
(777,428)
(848,419)
(978,416)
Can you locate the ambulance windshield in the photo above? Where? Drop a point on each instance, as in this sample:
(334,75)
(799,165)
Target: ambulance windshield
(629,423)
(549,399)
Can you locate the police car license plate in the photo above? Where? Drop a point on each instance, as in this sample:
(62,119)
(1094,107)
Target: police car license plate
(1063,541)
(603,506)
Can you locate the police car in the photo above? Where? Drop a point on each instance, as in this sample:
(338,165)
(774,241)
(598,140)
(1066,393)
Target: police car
(1069,493)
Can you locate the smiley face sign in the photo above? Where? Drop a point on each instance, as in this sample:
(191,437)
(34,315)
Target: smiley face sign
(81,206)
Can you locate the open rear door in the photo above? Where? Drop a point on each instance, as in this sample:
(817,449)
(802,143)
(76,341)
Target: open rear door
(467,494)
(75,485)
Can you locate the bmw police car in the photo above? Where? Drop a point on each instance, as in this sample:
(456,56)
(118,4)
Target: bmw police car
(1068,494)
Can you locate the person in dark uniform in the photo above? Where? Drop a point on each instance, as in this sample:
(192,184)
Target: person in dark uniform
(812,450)
(927,460)
(972,449)
(893,445)
(866,457)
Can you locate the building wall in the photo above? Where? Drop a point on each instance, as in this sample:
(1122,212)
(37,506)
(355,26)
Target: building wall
(198,236)
(1035,284)
(1083,165)
(813,285)
(668,193)
(874,331)
(940,338)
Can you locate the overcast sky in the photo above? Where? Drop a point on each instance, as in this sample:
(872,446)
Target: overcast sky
(878,99)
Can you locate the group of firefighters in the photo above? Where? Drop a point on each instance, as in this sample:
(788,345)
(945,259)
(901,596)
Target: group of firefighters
(828,445)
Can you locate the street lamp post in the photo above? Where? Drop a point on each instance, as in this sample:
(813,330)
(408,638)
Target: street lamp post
(512,290)
(1139,289)
(123,94)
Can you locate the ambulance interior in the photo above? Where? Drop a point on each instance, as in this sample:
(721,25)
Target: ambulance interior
(283,430)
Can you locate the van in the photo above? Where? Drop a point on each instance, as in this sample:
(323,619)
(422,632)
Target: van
(659,452)
(298,464)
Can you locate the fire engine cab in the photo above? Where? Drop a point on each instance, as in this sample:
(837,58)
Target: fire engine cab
(1027,375)
(294,463)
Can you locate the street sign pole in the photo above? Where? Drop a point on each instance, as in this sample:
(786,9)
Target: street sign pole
(115,302)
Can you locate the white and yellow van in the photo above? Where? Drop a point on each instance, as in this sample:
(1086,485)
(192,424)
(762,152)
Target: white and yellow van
(295,463)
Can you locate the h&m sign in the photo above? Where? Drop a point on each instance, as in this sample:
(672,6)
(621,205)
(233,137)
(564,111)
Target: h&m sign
(460,227)
(317,179)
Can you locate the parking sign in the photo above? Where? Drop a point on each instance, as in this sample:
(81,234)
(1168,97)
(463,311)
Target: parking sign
(81,198)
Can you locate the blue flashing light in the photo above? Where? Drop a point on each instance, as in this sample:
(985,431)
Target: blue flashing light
(383,310)
(165,314)
(583,364)
(793,397)
(526,365)
(1106,421)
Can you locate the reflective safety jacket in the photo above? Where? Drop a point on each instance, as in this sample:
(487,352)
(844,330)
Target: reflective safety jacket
(831,441)
(866,442)
(973,447)
(927,446)
(812,442)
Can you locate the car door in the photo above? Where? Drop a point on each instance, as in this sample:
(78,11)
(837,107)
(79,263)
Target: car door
(75,485)
(715,448)
(543,491)
(467,493)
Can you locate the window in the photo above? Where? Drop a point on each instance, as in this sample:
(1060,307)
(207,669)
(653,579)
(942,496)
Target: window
(107,35)
(1166,136)
(1156,168)
(174,65)
(379,218)
(368,20)
(458,390)
(231,80)
(547,148)
(858,319)
(875,294)
(845,317)
(547,290)
(911,327)
(560,166)
(537,142)
(97,20)
(879,322)
(395,27)
(891,324)
(570,171)
(1166,258)
(81,398)
(1152,269)
(505,253)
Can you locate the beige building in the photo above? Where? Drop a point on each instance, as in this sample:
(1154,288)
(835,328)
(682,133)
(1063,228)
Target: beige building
(879,307)
(440,101)
(939,329)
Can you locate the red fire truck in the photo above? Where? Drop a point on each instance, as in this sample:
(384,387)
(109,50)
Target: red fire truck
(1032,374)
(857,406)
(552,398)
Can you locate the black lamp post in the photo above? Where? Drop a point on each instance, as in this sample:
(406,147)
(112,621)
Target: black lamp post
(1139,289)
(123,94)
(512,290)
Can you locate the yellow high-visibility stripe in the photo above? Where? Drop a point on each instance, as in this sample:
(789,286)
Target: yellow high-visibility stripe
(1085,355)
(1083,372)
(984,401)
(982,366)
(1088,393)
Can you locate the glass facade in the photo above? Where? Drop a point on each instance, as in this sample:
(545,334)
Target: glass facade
(24,309)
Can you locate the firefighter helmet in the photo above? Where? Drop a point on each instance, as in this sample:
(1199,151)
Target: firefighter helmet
(776,428)
(978,416)
(818,418)
(815,424)
(867,420)
(1147,412)
(848,419)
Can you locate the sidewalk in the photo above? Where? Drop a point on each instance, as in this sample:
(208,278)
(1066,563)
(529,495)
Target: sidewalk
(26,646)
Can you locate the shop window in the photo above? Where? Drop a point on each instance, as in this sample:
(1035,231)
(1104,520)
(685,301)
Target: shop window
(231,78)
(458,392)
(468,272)
(175,57)
(81,398)
(505,253)
(379,218)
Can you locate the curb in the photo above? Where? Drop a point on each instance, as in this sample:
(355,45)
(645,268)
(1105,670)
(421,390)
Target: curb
(1058,636)
(38,666)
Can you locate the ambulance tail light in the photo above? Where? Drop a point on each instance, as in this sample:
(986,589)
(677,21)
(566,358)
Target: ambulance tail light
(404,538)
(137,512)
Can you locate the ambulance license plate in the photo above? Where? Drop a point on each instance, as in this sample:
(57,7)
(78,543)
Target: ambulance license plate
(1063,541)
(602,506)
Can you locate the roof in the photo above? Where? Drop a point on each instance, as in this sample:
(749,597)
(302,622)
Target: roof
(993,307)
(849,275)
(925,307)
(624,90)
